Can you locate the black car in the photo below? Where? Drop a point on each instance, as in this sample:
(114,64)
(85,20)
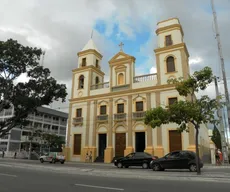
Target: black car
(135,159)
(176,160)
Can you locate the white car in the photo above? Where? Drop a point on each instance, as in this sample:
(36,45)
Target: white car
(52,157)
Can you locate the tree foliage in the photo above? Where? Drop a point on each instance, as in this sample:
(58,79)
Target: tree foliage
(25,97)
(188,110)
(53,141)
(216,138)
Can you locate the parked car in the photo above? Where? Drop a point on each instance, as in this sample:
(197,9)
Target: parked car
(135,159)
(52,157)
(176,160)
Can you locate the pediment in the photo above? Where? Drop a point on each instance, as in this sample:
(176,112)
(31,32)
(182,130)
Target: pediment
(120,56)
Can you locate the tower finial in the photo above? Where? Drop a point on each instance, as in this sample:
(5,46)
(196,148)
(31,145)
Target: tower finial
(121,45)
(92,34)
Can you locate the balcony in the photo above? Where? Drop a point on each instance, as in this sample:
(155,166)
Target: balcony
(78,121)
(120,87)
(48,120)
(99,86)
(139,115)
(38,118)
(120,117)
(102,118)
(142,78)
(56,122)
(64,123)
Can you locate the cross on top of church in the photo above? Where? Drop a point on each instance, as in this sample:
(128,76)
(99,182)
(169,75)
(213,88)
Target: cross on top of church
(121,45)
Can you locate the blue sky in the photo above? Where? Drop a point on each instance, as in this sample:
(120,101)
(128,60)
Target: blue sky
(131,45)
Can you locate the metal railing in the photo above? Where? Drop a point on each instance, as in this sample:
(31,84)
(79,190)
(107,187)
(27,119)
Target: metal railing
(143,78)
(139,115)
(102,118)
(77,120)
(99,86)
(120,116)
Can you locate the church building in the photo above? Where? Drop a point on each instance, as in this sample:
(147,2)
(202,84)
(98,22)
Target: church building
(106,118)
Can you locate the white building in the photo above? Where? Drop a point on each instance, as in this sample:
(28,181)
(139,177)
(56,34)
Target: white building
(47,120)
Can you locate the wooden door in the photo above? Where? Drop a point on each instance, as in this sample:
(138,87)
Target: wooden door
(175,142)
(120,144)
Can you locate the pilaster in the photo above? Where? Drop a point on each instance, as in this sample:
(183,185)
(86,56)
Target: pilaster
(87,124)
(159,150)
(129,119)
(149,148)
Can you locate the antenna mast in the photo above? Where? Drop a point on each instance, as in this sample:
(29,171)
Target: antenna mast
(223,71)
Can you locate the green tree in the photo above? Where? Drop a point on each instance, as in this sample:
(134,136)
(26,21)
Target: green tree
(216,138)
(25,97)
(53,141)
(190,110)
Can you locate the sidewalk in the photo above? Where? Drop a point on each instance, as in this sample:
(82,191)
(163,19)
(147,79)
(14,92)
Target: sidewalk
(206,166)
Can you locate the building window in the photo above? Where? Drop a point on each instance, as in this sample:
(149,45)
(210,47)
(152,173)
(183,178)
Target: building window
(78,112)
(97,63)
(81,82)
(168,40)
(120,108)
(170,64)
(96,80)
(120,79)
(139,106)
(83,62)
(103,110)
(77,144)
(172,100)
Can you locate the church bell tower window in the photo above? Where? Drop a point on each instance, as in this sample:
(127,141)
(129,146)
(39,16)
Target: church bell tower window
(83,62)
(97,63)
(81,82)
(170,63)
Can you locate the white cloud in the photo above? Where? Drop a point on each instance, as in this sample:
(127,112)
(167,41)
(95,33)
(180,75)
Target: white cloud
(195,61)
(153,70)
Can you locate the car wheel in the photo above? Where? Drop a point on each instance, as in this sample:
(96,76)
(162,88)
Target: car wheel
(156,167)
(145,166)
(126,166)
(62,162)
(41,160)
(192,167)
(119,165)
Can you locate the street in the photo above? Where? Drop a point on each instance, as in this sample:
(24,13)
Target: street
(23,180)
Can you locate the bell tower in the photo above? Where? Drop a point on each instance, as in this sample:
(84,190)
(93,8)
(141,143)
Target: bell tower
(171,52)
(88,75)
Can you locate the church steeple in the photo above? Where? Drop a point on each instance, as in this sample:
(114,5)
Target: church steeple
(90,55)
(90,45)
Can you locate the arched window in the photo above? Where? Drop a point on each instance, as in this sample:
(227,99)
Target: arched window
(81,82)
(170,63)
(120,79)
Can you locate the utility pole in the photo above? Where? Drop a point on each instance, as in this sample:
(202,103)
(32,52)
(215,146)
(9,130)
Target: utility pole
(221,126)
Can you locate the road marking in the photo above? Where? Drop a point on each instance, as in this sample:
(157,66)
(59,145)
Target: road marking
(100,187)
(8,175)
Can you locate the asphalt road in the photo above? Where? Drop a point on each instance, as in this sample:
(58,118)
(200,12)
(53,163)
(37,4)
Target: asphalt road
(102,166)
(23,180)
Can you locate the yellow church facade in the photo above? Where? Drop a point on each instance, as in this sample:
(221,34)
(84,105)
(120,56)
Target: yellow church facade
(106,118)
